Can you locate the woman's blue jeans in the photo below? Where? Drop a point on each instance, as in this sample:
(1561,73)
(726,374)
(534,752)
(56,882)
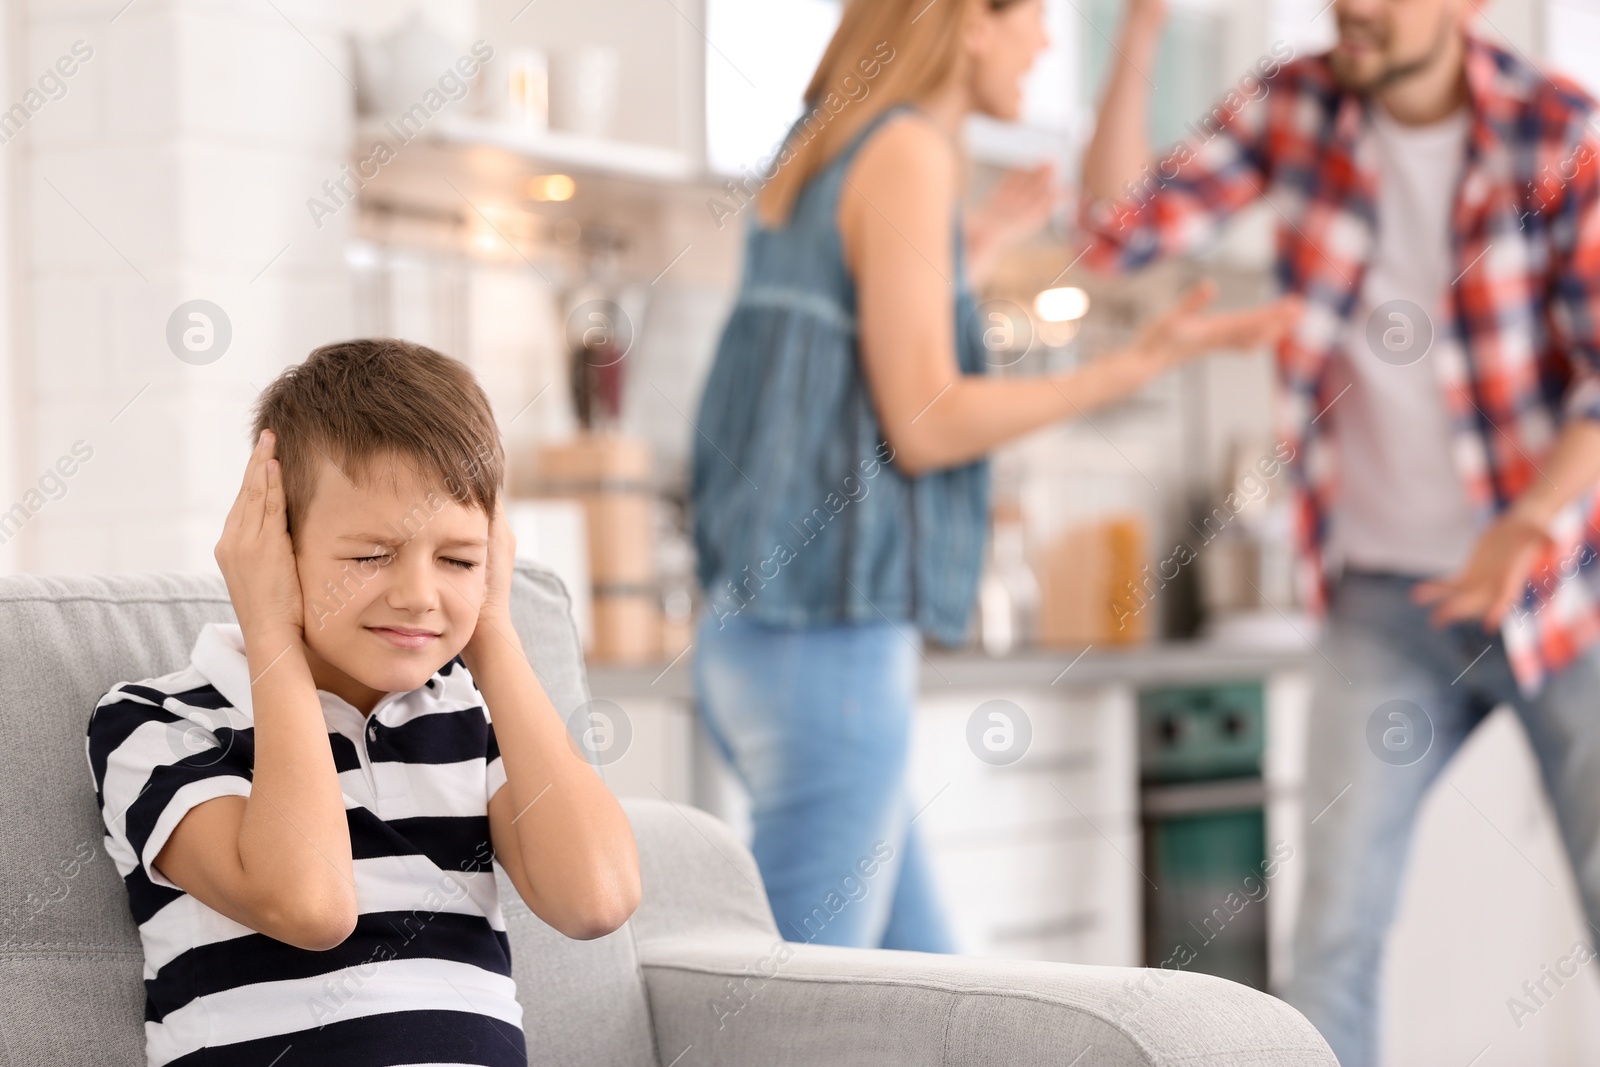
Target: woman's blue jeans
(816,722)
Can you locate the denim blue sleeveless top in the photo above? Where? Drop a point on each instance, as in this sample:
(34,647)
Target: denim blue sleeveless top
(801,516)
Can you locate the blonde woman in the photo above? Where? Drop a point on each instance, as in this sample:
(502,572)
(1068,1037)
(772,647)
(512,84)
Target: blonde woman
(839,478)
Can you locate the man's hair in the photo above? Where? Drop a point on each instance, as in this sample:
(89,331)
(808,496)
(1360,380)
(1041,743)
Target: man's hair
(354,402)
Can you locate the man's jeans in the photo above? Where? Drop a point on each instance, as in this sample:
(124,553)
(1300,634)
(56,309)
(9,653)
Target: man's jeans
(1370,761)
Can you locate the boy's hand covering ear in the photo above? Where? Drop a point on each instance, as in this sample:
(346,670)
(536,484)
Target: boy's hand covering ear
(495,614)
(255,553)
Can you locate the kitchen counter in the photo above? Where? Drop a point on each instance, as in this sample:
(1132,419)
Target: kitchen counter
(1038,860)
(1161,663)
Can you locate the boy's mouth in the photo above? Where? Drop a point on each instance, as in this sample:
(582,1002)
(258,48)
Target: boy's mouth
(404,636)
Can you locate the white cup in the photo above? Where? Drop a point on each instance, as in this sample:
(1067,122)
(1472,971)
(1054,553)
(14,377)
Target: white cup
(583,89)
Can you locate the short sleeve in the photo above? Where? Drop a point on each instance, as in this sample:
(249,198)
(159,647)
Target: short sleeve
(154,758)
(494,765)
(457,689)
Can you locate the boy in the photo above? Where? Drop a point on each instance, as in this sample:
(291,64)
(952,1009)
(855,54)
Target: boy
(310,863)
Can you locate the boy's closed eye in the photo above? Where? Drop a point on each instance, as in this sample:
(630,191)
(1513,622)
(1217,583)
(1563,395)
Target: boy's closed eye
(381,560)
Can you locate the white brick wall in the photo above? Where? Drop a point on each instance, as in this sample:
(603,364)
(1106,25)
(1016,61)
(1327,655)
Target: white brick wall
(176,167)
(10,400)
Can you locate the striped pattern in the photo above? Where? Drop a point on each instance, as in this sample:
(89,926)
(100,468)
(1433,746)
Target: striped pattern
(1525,300)
(426,976)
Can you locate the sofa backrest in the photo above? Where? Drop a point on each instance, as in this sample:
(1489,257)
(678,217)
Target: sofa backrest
(70,960)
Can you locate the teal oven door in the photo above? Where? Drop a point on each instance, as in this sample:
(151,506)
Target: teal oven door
(1204,821)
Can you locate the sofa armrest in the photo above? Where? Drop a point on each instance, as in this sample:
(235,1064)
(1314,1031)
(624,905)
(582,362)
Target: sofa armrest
(698,877)
(742,999)
(722,983)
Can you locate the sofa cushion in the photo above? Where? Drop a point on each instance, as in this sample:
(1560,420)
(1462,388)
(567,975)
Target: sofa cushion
(70,960)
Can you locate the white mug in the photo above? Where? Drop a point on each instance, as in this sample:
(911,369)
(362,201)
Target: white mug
(583,89)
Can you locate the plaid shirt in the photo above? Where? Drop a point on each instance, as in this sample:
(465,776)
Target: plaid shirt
(1524,306)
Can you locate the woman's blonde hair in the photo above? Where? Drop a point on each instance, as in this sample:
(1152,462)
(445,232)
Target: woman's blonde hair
(885,52)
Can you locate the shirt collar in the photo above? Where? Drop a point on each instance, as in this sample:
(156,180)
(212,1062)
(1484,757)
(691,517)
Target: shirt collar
(220,657)
(1496,91)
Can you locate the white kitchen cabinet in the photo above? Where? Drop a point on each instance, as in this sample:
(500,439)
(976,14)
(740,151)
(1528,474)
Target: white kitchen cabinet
(1037,859)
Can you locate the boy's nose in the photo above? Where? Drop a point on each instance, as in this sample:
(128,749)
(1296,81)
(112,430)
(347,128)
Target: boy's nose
(412,589)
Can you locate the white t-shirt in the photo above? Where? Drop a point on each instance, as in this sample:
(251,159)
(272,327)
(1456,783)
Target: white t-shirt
(1402,505)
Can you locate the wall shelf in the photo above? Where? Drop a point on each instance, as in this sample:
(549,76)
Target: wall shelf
(551,149)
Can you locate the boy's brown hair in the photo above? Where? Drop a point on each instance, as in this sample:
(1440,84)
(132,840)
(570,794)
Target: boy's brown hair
(356,401)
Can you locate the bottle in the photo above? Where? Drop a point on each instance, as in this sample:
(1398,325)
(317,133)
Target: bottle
(1008,591)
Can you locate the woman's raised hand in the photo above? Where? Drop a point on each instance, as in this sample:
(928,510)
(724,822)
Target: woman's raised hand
(1186,330)
(1019,207)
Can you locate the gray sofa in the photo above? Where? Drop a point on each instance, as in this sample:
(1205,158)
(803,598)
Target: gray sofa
(697,977)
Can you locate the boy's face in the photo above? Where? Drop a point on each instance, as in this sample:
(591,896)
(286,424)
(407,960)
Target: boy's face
(391,576)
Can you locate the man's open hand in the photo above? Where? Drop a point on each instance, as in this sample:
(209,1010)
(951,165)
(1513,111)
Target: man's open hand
(1494,577)
(255,553)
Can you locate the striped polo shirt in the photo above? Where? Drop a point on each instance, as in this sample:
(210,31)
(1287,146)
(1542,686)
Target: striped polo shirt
(426,976)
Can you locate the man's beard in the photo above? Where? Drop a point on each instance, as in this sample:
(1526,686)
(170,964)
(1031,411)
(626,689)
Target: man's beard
(1398,72)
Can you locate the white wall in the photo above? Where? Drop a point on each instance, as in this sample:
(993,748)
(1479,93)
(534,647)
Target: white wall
(176,166)
(1488,901)
(10,405)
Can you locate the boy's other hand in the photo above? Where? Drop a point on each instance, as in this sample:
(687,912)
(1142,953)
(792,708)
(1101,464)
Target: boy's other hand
(255,553)
(494,616)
